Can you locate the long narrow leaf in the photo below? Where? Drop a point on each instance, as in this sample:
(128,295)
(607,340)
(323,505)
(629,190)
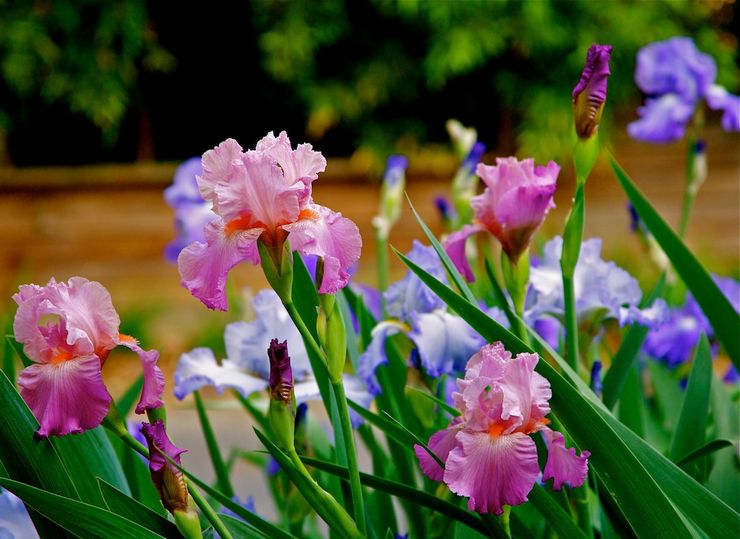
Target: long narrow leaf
(703,451)
(80,518)
(723,317)
(560,521)
(214,451)
(125,506)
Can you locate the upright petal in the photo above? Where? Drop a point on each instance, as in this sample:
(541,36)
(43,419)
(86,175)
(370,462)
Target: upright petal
(563,465)
(218,167)
(526,394)
(492,471)
(205,267)
(302,164)
(65,397)
(151,393)
(184,186)
(198,368)
(334,238)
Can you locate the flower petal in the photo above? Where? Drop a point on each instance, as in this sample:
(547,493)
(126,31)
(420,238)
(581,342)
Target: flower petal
(662,120)
(492,471)
(718,98)
(302,164)
(327,234)
(151,393)
(441,443)
(218,167)
(66,397)
(205,267)
(198,368)
(454,244)
(374,355)
(563,465)
(15,522)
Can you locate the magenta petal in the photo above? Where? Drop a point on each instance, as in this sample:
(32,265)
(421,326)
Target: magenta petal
(441,443)
(454,244)
(492,471)
(526,393)
(218,167)
(157,439)
(205,267)
(151,393)
(563,464)
(334,238)
(302,164)
(66,397)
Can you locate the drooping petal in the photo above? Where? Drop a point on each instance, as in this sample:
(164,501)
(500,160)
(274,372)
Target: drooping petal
(198,368)
(374,355)
(259,195)
(218,167)
(445,342)
(334,238)
(563,465)
(454,244)
(410,294)
(65,397)
(441,443)
(662,120)
(151,393)
(718,98)
(492,471)
(205,267)
(302,164)
(247,342)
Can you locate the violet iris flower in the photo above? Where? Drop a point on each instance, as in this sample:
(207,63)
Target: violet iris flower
(68,330)
(247,367)
(15,523)
(488,451)
(265,194)
(676,77)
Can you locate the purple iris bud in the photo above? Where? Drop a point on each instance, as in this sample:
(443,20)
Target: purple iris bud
(474,156)
(596,377)
(281,374)
(300,413)
(272,468)
(167,478)
(395,168)
(634,217)
(589,94)
(446,211)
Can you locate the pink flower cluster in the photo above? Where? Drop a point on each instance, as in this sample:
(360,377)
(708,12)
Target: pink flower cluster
(488,451)
(68,330)
(265,194)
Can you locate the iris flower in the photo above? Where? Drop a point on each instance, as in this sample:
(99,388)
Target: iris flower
(265,194)
(488,451)
(68,330)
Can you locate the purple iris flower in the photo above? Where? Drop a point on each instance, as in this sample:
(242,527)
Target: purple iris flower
(14,519)
(192,213)
(676,77)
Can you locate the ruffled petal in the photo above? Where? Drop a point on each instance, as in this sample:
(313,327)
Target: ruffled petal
(441,443)
(302,164)
(205,267)
(374,355)
(259,195)
(247,342)
(662,120)
(218,167)
(454,244)
(719,98)
(65,397)
(445,342)
(410,294)
(526,394)
(151,393)
(492,471)
(334,238)
(199,368)
(563,465)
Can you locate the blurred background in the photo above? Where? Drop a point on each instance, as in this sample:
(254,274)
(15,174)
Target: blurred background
(99,102)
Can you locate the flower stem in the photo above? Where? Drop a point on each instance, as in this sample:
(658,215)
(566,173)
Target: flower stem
(349,443)
(571,323)
(305,333)
(222,474)
(381,244)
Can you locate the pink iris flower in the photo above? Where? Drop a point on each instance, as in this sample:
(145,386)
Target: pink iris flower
(68,330)
(488,451)
(517,198)
(265,194)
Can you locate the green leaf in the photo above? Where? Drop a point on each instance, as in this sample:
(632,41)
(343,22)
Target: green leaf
(556,517)
(222,474)
(241,530)
(639,495)
(724,319)
(501,301)
(454,412)
(632,405)
(458,279)
(405,492)
(125,506)
(691,428)
(724,478)
(78,517)
(627,353)
(706,449)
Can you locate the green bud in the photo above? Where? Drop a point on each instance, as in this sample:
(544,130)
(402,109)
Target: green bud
(332,335)
(277,265)
(188,523)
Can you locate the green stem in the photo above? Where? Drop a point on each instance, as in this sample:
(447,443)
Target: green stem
(305,333)
(689,191)
(571,322)
(222,475)
(349,444)
(505,519)
(381,244)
